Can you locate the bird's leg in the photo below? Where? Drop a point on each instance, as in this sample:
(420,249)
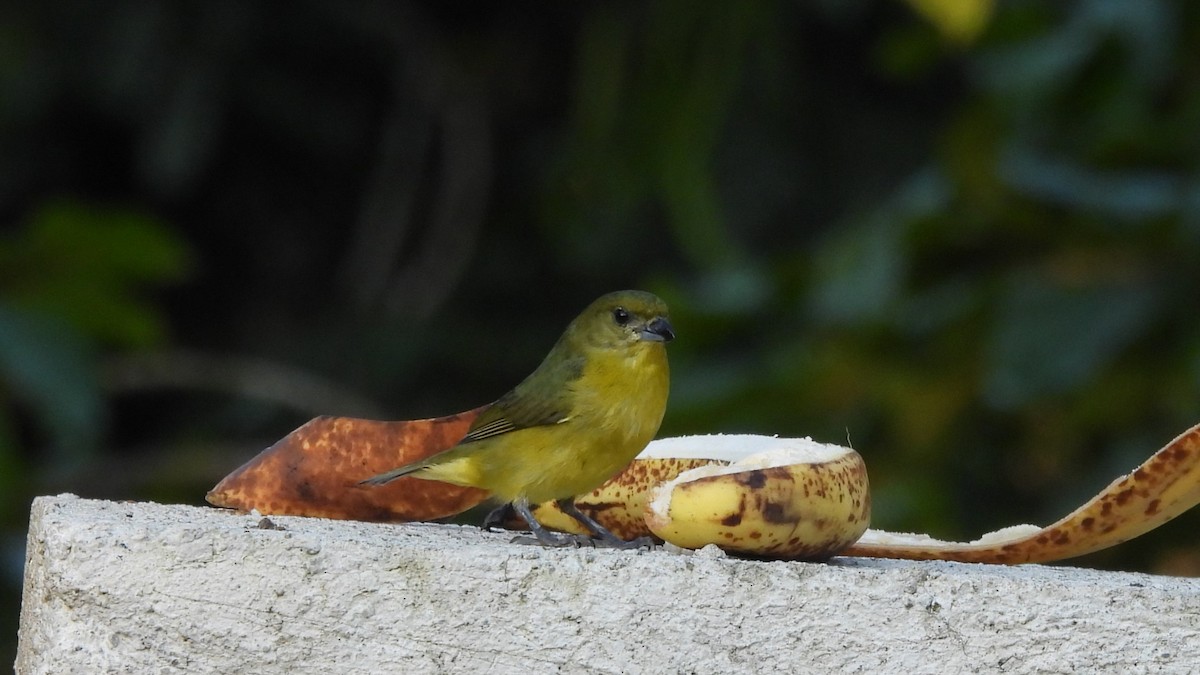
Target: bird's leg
(604,537)
(542,535)
(497,517)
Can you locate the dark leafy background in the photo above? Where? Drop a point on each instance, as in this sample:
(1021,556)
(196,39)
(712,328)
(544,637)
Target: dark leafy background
(964,237)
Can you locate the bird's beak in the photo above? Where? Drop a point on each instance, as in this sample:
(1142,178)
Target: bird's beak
(658,330)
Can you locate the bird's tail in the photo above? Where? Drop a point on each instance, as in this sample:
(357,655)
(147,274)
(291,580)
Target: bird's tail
(392,475)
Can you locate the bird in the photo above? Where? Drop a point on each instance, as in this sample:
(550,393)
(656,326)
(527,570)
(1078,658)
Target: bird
(594,402)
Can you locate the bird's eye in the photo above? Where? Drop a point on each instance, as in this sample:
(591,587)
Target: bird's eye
(621,316)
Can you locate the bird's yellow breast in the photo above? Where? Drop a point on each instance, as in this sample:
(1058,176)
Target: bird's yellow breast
(618,402)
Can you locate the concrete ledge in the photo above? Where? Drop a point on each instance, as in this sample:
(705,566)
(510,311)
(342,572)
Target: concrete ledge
(125,587)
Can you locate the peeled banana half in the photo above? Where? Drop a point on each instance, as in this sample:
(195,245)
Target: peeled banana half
(761,496)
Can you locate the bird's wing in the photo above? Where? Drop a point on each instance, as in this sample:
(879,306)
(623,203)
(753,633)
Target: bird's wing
(510,413)
(542,399)
(529,405)
(513,412)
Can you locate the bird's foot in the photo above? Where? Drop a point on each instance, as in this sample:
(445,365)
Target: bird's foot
(603,538)
(600,538)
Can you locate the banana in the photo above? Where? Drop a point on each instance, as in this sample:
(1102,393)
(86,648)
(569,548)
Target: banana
(754,495)
(792,499)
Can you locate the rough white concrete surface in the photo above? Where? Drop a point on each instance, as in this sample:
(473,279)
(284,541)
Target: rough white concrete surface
(148,588)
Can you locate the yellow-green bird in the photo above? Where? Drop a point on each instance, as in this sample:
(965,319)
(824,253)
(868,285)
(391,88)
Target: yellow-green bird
(591,406)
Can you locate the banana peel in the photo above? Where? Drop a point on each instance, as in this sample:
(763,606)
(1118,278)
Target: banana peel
(315,470)
(1163,487)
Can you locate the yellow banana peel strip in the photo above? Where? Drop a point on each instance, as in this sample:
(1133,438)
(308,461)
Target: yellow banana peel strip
(1163,487)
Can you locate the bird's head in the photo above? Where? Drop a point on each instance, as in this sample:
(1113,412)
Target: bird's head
(624,318)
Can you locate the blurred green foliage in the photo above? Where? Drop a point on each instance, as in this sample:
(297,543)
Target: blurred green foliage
(85,263)
(963,236)
(70,283)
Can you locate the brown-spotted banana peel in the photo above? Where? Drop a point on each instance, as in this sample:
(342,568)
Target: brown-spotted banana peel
(1163,487)
(791,498)
(756,495)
